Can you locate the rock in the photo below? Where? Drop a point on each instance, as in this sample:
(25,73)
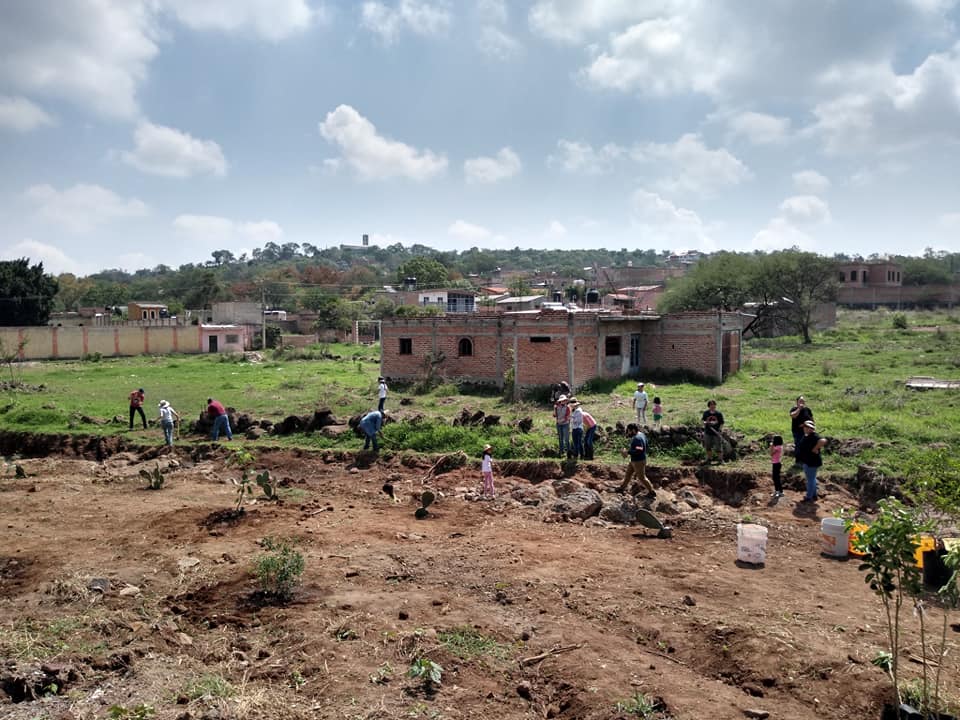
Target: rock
(100,585)
(129,591)
(756,714)
(254,433)
(566,487)
(689,601)
(619,510)
(289,425)
(525,425)
(406,401)
(690,499)
(185,563)
(184,639)
(322,418)
(491,420)
(582,504)
(333,431)
(525,691)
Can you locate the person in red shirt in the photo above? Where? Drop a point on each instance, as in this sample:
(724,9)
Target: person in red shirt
(136,406)
(221,422)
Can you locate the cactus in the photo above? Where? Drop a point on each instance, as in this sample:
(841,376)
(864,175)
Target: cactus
(153,477)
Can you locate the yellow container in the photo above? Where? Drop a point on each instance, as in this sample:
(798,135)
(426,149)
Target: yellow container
(923,543)
(855,531)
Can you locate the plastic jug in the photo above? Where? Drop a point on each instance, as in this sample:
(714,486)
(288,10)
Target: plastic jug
(855,531)
(751,543)
(834,540)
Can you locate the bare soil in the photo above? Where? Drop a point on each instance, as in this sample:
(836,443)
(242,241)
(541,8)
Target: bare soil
(529,615)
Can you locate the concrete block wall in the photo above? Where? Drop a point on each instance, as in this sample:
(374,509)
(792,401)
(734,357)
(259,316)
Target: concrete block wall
(53,343)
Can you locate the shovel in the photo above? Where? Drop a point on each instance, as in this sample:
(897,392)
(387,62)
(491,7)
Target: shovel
(649,520)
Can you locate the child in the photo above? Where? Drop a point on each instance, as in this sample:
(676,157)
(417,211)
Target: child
(657,413)
(776,456)
(486,467)
(168,416)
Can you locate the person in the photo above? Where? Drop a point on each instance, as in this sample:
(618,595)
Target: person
(136,406)
(799,414)
(167,415)
(637,466)
(712,438)
(576,428)
(657,413)
(589,431)
(809,456)
(486,467)
(381,393)
(221,421)
(370,425)
(640,404)
(776,458)
(561,388)
(561,412)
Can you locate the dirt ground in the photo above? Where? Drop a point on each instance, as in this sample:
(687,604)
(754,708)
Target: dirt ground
(480,587)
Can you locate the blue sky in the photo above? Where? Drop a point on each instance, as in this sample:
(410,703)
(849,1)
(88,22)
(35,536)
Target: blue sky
(141,132)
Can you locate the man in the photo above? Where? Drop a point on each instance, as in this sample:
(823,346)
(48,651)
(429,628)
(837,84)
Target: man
(562,412)
(808,453)
(381,393)
(136,406)
(799,414)
(221,421)
(638,462)
(712,438)
(370,425)
(640,400)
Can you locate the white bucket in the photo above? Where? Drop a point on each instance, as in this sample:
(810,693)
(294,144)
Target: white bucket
(751,544)
(834,538)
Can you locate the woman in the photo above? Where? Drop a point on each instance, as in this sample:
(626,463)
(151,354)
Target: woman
(808,453)
(799,414)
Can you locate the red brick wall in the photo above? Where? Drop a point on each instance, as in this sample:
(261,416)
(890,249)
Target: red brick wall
(689,341)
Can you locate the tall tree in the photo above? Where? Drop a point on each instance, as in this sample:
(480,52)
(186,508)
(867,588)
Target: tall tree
(26,293)
(427,271)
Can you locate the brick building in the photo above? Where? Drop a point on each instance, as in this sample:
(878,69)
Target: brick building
(545,346)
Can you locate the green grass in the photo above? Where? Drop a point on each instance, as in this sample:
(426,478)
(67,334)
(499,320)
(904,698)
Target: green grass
(467,643)
(852,376)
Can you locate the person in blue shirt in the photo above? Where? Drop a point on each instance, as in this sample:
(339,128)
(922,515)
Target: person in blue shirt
(370,425)
(638,461)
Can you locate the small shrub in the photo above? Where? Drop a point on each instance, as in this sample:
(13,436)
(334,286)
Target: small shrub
(828,368)
(137,712)
(279,570)
(427,671)
(639,706)
(209,686)
(900,321)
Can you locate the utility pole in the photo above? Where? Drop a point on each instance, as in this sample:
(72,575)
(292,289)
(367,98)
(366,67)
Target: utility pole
(263,318)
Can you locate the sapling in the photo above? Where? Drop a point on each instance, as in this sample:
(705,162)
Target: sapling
(427,671)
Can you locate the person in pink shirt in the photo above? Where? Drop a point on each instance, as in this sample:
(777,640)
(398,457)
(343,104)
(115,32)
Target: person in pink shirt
(776,458)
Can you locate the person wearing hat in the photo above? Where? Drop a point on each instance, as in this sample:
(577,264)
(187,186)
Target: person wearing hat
(576,429)
(486,467)
(808,453)
(561,412)
(640,400)
(167,418)
(381,393)
(136,406)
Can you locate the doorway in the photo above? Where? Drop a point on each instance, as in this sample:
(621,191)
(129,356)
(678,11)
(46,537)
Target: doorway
(212,343)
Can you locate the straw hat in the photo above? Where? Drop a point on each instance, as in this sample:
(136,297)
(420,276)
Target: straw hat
(487,447)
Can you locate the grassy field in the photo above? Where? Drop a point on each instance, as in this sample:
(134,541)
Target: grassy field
(853,377)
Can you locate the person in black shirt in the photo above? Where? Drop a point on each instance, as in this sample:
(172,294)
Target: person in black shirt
(809,454)
(638,461)
(799,414)
(712,424)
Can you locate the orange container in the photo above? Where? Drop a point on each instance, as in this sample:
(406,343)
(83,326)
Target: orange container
(855,531)
(923,543)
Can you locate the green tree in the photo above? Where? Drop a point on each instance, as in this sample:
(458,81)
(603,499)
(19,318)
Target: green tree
(803,280)
(427,271)
(26,293)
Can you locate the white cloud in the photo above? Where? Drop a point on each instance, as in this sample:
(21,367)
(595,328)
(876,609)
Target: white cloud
(805,210)
(215,230)
(270,19)
(468,233)
(492,11)
(418,16)
(169,152)
(81,208)
(555,230)
(92,53)
(488,170)
(21,115)
(759,128)
(580,157)
(662,224)
(810,182)
(780,234)
(373,156)
(575,20)
(54,260)
(690,166)
(498,44)
(950,221)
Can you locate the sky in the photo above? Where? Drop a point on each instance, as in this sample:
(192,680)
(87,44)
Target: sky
(135,133)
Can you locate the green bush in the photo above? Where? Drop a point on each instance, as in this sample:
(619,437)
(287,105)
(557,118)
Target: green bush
(900,321)
(279,570)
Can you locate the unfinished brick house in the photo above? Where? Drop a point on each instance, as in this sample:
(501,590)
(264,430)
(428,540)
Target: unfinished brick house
(545,346)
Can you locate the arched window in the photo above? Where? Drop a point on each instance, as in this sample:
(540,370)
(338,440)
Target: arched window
(465,347)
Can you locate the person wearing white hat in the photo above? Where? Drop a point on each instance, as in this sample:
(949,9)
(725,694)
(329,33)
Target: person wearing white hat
(486,467)
(640,400)
(809,454)
(562,412)
(168,416)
